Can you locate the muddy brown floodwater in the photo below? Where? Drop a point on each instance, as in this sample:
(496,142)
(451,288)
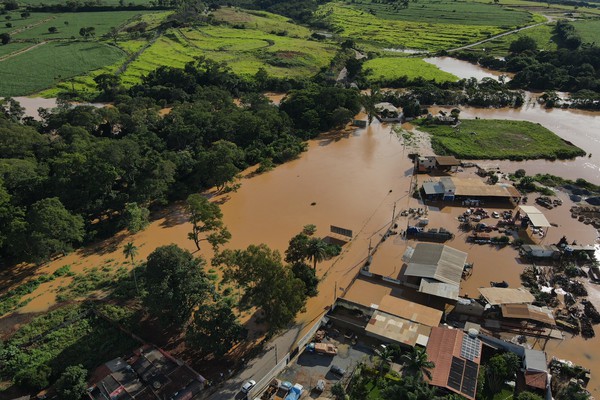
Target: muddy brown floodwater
(352,179)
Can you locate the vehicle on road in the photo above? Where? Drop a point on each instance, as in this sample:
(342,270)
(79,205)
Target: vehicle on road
(248,385)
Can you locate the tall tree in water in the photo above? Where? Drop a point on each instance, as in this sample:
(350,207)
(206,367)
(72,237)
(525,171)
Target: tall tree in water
(206,218)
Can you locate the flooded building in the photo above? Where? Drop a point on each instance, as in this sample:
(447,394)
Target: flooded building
(437,163)
(149,373)
(387,112)
(457,357)
(463,189)
(535,368)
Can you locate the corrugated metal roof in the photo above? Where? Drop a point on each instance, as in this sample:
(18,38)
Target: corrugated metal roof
(496,296)
(535,361)
(437,261)
(440,289)
(433,188)
(537,218)
(447,160)
(528,311)
(409,310)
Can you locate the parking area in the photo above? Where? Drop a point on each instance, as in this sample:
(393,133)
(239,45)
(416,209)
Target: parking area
(310,367)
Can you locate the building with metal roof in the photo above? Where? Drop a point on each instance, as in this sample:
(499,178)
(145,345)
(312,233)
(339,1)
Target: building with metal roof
(453,188)
(410,310)
(497,296)
(537,218)
(456,356)
(528,311)
(536,369)
(438,266)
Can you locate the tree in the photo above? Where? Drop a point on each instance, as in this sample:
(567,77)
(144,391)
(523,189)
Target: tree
(385,360)
(523,44)
(307,275)
(11,5)
(206,218)
(215,329)
(34,378)
(267,283)
(130,251)
(317,251)
(221,163)
(417,364)
(52,29)
(72,383)
(368,101)
(410,388)
(520,173)
(8,25)
(25,15)
(528,396)
(135,218)
(500,368)
(52,229)
(107,82)
(8,17)
(87,32)
(179,284)
(5,38)
(338,391)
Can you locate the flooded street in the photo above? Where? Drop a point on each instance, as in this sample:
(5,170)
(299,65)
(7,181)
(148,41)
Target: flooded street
(357,179)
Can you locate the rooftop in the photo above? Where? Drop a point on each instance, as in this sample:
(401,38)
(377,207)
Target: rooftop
(470,187)
(456,356)
(528,311)
(447,160)
(536,217)
(411,311)
(437,261)
(396,329)
(496,296)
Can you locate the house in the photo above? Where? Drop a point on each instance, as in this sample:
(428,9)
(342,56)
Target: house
(457,356)
(437,163)
(435,269)
(536,369)
(539,251)
(149,373)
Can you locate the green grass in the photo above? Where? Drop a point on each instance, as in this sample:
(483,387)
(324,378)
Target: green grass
(43,66)
(589,30)
(541,34)
(448,12)
(260,20)
(365,27)
(13,47)
(102,21)
(19,23)
(101,2)
(389,68)
(499,139)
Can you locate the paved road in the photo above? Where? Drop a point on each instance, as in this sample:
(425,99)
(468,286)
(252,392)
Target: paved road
(259,366)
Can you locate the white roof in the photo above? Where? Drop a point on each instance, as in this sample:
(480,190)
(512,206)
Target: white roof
(536,217)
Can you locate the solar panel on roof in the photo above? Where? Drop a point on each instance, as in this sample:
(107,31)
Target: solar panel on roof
(470,348)
(469,383)
(456,373)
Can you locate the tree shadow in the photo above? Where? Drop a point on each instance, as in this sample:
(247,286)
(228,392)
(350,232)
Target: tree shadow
(106,246)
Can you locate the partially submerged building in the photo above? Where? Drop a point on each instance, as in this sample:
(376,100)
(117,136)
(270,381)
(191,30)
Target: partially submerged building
(457,357)
(463,189)
(387,112)
(434,269)
(437,163)
(496,296)
(535,368)
(149,373)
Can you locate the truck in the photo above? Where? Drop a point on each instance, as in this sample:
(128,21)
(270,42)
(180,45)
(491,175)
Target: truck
(323,348)
(480,238)
(433,234)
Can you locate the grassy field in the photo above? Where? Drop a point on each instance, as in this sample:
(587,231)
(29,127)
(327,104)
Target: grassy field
(589,30)
(499,47)
(13,47)
(363,26)
(261,20)
(448,12)
(43,66)
(499,139)
(68,24)
(396,67)
(19,23)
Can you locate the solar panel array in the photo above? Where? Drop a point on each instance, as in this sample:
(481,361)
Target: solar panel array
(470,348)
(463,376)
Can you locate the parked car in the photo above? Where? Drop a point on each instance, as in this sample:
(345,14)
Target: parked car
(248,385)
(337,370)
(320,385)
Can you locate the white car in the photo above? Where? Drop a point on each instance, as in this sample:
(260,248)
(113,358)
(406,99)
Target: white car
(495,215)
(248,385)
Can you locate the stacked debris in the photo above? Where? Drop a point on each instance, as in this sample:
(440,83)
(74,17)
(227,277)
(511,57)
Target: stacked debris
(587,214)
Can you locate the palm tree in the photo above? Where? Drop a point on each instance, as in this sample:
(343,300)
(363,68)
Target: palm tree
(385,359)
(316,251)
(417,364)
(368,101)
(130,251)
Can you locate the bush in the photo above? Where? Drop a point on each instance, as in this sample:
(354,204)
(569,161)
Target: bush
(72,383)
(34,378)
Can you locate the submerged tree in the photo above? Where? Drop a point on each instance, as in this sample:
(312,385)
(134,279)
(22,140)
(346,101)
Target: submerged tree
(130,251)
(206,218)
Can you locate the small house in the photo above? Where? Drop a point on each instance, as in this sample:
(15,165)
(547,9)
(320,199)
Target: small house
(387,112)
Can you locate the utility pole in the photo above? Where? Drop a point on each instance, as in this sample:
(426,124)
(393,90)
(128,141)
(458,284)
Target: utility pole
(394,212)
(334,294)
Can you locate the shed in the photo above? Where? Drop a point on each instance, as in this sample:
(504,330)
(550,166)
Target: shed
(410,310)
(540,251)
(496,296)
(537,218)
(390,328)
(536,369)
(528,311)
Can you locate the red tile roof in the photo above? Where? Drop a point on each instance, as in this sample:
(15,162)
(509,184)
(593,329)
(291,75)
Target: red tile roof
(536,379)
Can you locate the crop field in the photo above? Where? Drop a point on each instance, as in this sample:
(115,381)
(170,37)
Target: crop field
(12,48)
(499,139)
(541,34)
(245,51)
(589,30)
(262,21)
(389,68)
(68,24)
(363,26)
(102,2)
(18,23)
(448,12)
(546,9)
(42,67)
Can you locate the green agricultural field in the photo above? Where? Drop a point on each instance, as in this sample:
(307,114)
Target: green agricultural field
(19,23)
(589,30)
(499,139)
(12,48)
(365,27)
(262,21)
(499,47)
(448,12)
(42,67)
(68,24)
(389,68)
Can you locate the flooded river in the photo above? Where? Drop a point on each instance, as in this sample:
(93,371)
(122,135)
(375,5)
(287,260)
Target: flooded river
(356,179)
